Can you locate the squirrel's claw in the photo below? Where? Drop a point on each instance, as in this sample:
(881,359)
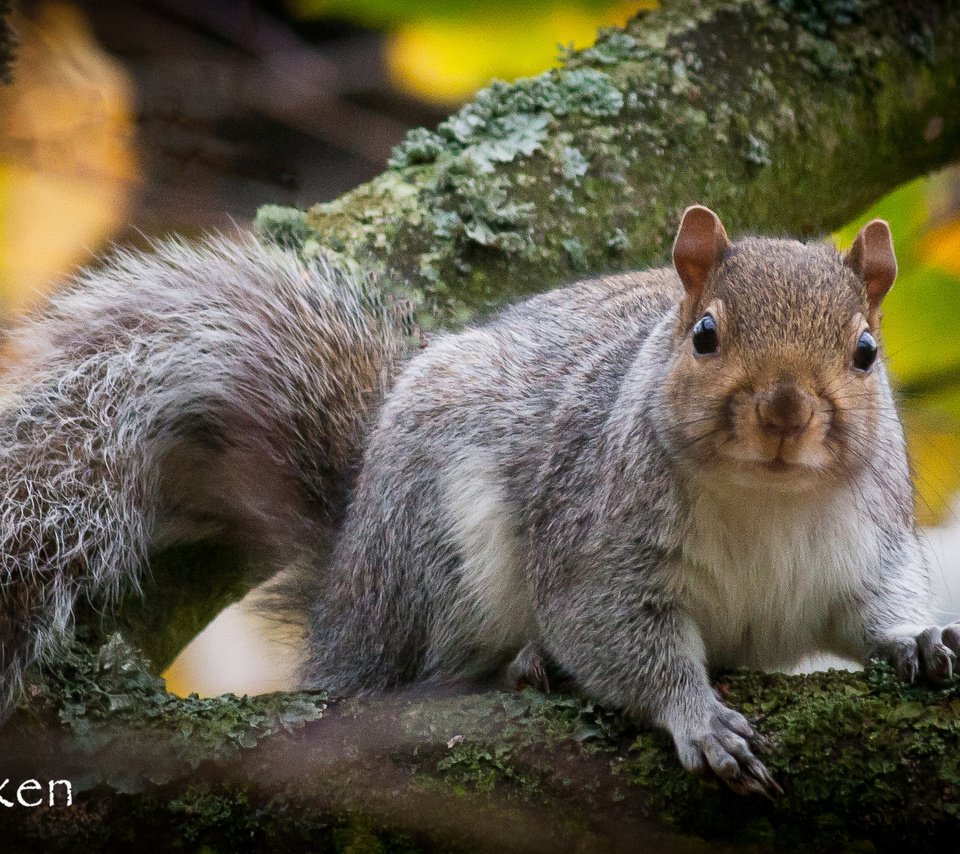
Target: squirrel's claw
(758,782)
(951,638)
(931,653)
(727,750)
(761,743)
(936,656)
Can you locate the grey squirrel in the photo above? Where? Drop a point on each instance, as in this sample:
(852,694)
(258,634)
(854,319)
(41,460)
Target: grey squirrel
(634,478)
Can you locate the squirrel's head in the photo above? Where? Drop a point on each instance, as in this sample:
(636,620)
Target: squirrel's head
(775,375)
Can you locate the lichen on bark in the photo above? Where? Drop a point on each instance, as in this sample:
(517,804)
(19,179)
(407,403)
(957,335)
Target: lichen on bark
(786,117)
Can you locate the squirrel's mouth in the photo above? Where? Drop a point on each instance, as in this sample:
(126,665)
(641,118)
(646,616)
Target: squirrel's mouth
(778,470)
(777,474)
(779,464)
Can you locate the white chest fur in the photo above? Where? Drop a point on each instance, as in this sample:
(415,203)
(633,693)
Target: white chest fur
(765,574)
(491,610)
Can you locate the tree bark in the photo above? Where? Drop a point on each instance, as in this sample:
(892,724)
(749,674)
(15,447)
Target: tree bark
(8,42)
(786,116)
(866,763)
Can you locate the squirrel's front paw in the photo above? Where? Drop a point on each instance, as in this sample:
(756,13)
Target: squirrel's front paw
(725,747)
(930,653)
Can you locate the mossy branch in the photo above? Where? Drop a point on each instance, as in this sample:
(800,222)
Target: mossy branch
(785,116)
(866,764)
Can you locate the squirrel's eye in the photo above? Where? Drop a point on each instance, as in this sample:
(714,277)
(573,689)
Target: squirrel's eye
(866,353)
(705,338)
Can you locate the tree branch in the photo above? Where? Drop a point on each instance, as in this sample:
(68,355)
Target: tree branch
(8,42)
(787,118)
(866,763)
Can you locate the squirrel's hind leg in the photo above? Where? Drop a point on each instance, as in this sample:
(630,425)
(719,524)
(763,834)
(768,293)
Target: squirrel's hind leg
(530,669)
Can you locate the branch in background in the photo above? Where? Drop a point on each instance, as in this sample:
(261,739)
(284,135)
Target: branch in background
(8,42)
(787,118)
(289,79)
(268,69)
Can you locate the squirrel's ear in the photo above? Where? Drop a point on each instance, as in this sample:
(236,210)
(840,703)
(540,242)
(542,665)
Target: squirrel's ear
(700,244)
(872,258)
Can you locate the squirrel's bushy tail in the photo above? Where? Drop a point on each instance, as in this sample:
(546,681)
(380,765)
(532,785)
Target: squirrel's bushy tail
(218,390)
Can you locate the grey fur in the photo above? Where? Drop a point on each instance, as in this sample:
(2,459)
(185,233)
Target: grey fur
(560,407)
(551,483)
(212,390)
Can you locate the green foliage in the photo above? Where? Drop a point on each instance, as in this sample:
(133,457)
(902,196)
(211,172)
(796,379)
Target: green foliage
(386,12)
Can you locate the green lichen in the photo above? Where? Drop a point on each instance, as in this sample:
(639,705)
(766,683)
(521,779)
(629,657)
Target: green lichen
(484,768)
(618,241)
(757,151)
(821,17)
(419,146)
(484,210)
(612,46)
(578,258)
(573,165)
(283,225)
(108,695)
(506,121)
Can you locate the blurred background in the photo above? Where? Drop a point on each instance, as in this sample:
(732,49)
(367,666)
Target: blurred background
(130,120)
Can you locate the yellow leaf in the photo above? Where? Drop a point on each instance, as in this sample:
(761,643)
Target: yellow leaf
(941,247)
(67,159)
(447,60)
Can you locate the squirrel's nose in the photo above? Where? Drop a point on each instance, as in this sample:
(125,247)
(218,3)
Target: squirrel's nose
(785,410)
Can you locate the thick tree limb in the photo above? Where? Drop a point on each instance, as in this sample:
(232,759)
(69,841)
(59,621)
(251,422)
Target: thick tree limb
(866,764)
(786,116)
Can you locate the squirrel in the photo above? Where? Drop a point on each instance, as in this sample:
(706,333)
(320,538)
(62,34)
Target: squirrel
(633,479)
